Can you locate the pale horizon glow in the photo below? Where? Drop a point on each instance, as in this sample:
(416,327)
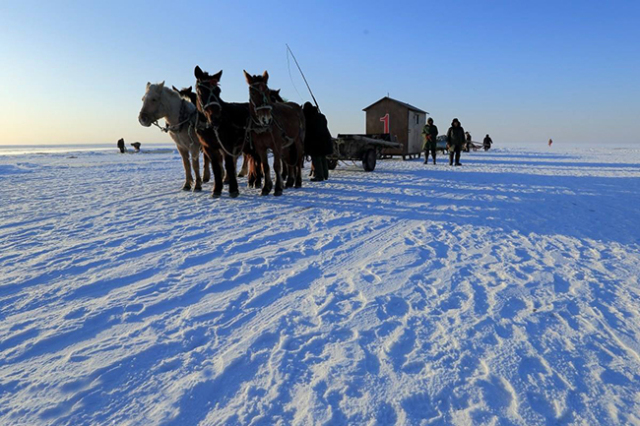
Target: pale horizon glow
(522,72)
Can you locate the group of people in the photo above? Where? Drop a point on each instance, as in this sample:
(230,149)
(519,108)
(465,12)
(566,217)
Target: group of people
(457,141)
(123,148)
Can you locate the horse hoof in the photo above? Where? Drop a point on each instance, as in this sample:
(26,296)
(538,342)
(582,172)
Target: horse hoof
(298,185)
(205,180)
(234,194)
(277,193)
(197,188)
(263,192)
(215,195)
(186,187)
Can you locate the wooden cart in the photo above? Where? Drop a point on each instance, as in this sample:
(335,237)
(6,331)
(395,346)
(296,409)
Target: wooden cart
(365,148)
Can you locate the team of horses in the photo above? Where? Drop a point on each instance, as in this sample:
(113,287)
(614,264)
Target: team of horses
(201,121)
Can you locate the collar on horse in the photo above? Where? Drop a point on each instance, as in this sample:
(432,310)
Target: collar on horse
(183,117)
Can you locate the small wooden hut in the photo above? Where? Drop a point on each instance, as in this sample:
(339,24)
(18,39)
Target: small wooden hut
(402,121)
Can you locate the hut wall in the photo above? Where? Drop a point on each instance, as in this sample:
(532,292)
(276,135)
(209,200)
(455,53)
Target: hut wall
(398,124)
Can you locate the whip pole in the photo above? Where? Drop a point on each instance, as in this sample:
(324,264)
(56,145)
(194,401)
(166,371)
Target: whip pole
(303,77)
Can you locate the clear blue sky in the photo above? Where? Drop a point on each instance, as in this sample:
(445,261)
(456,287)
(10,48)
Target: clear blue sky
(523,71)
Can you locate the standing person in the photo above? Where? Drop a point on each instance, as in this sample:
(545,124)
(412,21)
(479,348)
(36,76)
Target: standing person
(121,146)
(317,141)
(455,141)
(429,133)
(467,146)
(486,143)
(550,142)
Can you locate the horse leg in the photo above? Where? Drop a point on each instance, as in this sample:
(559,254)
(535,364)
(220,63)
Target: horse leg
(216,165)
(195,160)
(259,173)
(230,163)
(252,172)
(206,175)
(277,168)
(285,170)
(268,183)
(184,153)
(299,172)
(291,175)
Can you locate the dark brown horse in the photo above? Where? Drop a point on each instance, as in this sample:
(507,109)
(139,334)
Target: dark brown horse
(278,126)
(227,120)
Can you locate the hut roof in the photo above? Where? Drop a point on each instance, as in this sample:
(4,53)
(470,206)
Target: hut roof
(404,104)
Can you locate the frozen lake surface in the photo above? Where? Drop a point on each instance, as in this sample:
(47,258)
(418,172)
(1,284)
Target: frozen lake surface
(501,292)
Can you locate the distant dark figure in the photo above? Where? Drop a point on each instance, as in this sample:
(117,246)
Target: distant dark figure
(121,146)
(455,141)
(550,142)
(136,146)
(317,141)
(486,143)
(430,134)
(468,144)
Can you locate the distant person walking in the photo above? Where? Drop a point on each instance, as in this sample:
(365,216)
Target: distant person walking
(455,141)
(486,143)
(429,133)
(550,142)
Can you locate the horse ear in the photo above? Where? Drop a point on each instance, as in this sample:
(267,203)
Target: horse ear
(174,88)
(161,84)
(217,76)
(189,89)
(277,91)
(148,84)
(265,76)
(198,73)
(247,77)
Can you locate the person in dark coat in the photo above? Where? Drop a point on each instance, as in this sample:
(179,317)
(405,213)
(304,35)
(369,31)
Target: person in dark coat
(121,146)
(455,141)
(317,141)
(136,146)
(486,143)
(430,134)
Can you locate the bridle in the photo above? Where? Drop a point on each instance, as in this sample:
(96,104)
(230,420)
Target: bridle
(212,99)
(265,99)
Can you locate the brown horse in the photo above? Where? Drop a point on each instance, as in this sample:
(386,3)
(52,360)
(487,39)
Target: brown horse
(278,126)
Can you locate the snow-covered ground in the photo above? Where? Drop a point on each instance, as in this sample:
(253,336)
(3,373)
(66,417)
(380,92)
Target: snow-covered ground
(502,292)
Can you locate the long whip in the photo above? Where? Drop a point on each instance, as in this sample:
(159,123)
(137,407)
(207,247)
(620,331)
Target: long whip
(303,77)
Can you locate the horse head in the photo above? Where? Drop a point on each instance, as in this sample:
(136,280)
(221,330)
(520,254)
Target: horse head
(208,94)
(260,98)
(153,107)
(187,93)
(275,96)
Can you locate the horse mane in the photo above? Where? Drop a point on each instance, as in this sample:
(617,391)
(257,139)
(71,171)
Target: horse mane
(210,78)
(257,78)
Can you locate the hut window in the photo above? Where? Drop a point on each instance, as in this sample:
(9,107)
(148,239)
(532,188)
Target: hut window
(417,119)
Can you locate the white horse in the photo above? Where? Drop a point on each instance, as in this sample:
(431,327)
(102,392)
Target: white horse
(179,114)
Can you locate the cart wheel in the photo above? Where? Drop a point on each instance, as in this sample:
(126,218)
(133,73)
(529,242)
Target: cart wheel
(369,160)
(332,164)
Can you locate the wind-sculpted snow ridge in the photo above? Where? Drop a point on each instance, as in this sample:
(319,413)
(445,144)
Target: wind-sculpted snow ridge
(502,292)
